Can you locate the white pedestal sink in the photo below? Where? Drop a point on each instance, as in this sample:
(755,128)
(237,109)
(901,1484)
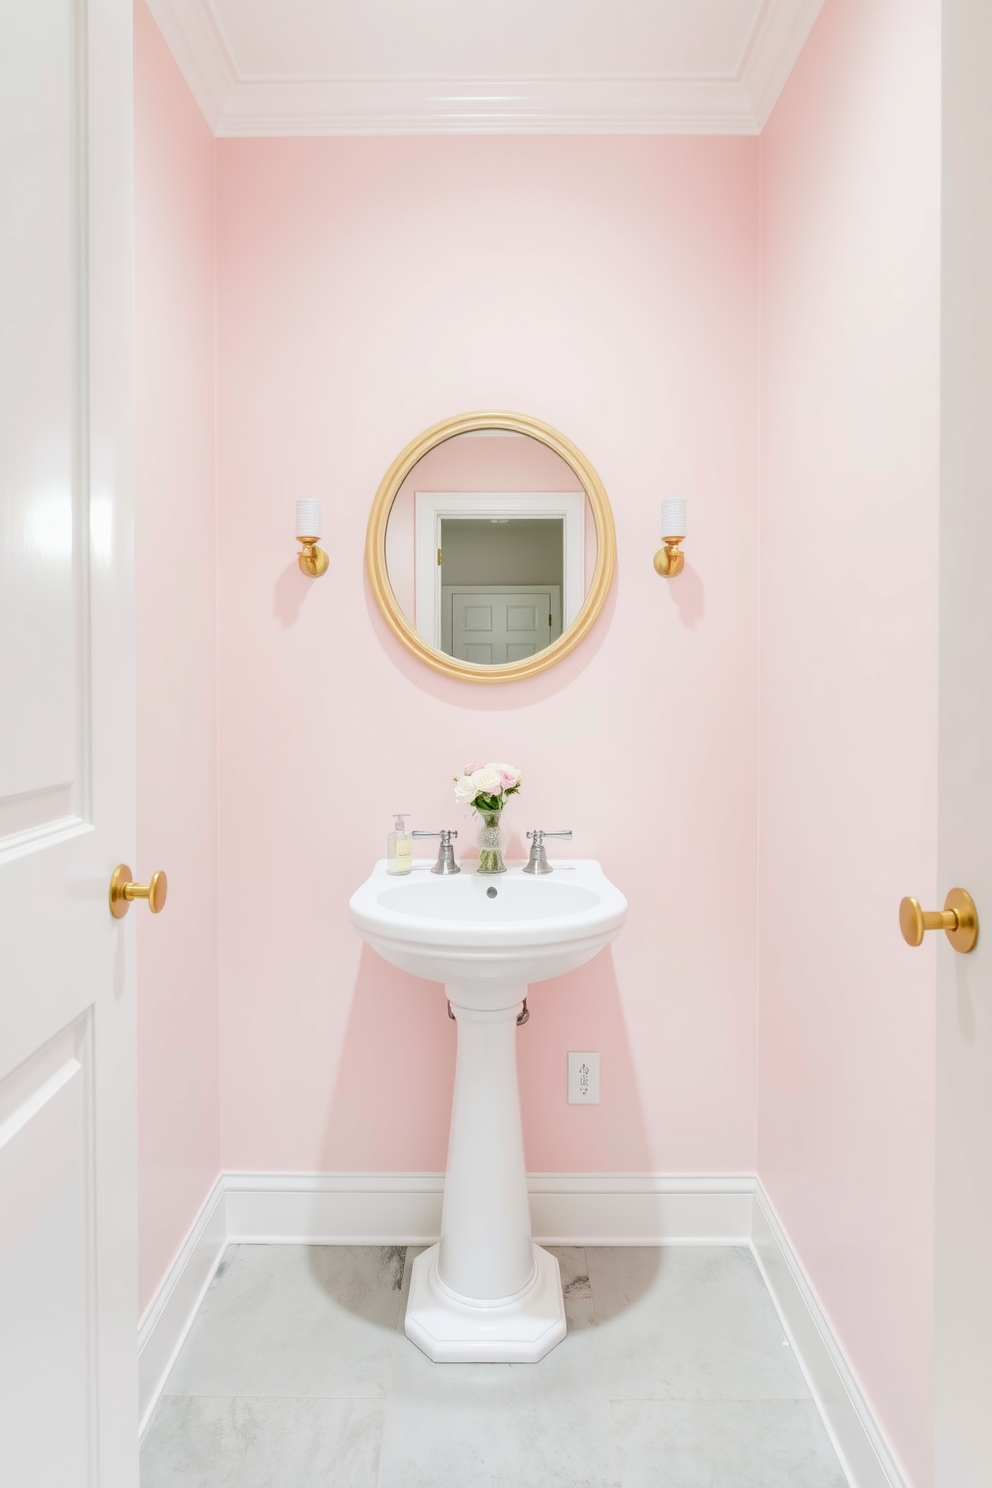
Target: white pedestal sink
(486,1291)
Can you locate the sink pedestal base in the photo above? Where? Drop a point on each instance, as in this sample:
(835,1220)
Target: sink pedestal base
(457,1330)
(486,1291)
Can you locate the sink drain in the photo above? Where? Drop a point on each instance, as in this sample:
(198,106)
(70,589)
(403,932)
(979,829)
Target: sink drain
(491,893)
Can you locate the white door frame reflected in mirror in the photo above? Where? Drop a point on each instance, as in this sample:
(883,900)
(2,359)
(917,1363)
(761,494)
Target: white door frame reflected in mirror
(431,508)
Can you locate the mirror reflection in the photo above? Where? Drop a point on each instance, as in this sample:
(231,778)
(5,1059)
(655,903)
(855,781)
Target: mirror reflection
(491,546)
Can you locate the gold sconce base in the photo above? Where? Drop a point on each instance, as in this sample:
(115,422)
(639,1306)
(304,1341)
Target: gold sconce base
(669,560)
(313,560)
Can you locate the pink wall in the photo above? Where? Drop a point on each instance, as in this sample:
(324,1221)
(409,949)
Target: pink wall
(367,288)
(179,1153)
(850,326)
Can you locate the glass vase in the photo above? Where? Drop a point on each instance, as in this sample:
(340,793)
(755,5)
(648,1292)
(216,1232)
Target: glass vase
(491,843)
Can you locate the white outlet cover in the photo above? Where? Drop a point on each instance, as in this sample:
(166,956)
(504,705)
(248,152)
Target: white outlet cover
(583,1079)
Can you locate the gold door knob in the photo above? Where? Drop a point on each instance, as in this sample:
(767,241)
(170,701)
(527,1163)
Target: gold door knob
(122,891)
(958,919)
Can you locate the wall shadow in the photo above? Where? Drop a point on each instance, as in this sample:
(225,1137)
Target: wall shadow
(289,594)
(688,596)
(967,1023)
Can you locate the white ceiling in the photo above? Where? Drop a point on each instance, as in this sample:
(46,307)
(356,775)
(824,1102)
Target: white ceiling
(266,67)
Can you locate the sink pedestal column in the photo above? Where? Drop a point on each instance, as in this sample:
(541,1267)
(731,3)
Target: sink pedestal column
(486,1292)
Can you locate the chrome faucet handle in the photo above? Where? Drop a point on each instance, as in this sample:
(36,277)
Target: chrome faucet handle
(538,860)
(445,864)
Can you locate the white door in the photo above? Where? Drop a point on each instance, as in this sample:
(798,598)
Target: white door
(68,1400)
(498,623)
(963,1232)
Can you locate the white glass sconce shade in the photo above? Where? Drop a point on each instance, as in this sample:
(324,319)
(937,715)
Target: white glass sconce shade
(308,519)
(673,517)
(669,560)
(313,561)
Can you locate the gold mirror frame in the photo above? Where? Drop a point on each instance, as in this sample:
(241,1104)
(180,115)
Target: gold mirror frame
(375,546)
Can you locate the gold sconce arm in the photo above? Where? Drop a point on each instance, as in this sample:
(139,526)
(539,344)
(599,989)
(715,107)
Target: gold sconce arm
(958,919)
(313,560)
(669,560)
(123,892)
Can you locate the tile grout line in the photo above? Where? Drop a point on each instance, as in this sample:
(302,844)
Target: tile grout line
(613,1438)
(711,1400)
(602,1373)
(254,1395)
(398,1333)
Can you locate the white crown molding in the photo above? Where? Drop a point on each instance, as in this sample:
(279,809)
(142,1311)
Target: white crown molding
(408,106)
(201,54)
(779,37)
(567,1209)
(237,106)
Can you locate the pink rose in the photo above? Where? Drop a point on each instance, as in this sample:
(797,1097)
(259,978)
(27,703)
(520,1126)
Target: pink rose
(471,769)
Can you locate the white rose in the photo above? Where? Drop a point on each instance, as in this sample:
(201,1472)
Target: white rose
(488,780)
(465,790)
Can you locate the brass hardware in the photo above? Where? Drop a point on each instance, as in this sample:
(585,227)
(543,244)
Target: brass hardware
(439,557)
(958,919)
(669,560)
(313,560)
(122,891)
(375,547)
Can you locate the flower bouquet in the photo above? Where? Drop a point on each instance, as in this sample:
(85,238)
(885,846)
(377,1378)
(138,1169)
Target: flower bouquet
(486,788)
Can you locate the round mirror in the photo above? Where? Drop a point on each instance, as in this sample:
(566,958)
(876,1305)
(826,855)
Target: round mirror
(490,546)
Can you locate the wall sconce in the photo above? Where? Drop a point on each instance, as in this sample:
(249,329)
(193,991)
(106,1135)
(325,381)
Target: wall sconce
(313,560)
(670,560)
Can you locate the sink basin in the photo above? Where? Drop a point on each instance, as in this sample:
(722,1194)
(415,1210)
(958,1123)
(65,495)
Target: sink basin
(476,929)
(486,1291)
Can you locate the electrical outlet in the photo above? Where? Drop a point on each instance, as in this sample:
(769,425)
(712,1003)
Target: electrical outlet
(583,1079)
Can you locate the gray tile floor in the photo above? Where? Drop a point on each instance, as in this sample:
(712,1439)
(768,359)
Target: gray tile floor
(675,1374)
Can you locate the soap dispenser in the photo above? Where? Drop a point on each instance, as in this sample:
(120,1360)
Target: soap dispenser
(399,846)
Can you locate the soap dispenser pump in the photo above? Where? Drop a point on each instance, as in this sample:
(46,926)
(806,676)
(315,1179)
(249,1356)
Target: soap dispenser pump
(399,846)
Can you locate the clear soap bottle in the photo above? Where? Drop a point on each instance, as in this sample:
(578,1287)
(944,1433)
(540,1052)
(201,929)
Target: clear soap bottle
(399,846)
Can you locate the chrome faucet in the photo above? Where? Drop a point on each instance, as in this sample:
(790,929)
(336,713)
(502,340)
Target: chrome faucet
(538,860)
(445,864)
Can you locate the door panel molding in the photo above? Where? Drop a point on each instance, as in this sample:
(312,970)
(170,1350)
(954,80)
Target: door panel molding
(47,1260)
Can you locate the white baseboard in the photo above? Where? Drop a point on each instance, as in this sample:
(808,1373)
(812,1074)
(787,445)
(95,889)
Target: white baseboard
(334,1208)
(640,1209)
(566,1209)
(856,1435)
(168,1317)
